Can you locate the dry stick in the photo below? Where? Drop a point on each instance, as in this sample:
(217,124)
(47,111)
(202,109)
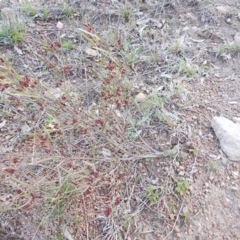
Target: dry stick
(86,215)
(223,100)
(131,158)
(180,209)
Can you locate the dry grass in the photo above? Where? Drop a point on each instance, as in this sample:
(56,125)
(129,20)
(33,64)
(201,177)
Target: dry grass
(75,145)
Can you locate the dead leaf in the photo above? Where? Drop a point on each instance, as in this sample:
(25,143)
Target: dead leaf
(91,52)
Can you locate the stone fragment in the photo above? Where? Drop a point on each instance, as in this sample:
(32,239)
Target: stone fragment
(224,9)
(228,134)
(141,97)
(237,38)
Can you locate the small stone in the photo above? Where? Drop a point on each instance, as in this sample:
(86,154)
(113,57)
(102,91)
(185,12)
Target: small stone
(91,52)
(185,210)
(144,89)
(234,188)
(195,29)
(228,134)
(59,25)
(224,9)
(141,97)
(177,229)
(235,174)
(237,38)
(191,16)
(179,235)
(181,173)
(211,177)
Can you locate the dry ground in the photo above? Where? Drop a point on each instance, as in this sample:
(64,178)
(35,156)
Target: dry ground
(83,154)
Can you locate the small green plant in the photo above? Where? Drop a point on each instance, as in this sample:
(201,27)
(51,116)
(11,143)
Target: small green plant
(228,47)
(126,12)
(154,100)
(213,166)
(45,14)
(194,150)
(132,131)
(68,11)
(185,68)
(149,159)
(152,195)
(182,186)
(185,217)
(67,45)
(129,53)
(11,34)
(28,9)
(58,197)
(178,46)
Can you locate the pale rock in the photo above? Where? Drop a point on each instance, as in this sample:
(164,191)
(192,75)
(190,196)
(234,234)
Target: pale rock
(91,52)
(224,9)
(141,97)
(191,16)
(185,210)
(228,134)
(237,38)
(195,29)
(235,174)
(59,25)
(181,173)
(56,92)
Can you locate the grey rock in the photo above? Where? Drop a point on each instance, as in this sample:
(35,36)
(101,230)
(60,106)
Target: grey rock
(237,38)
(228,134)
(224,9)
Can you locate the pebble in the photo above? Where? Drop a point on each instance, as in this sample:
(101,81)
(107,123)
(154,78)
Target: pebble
(179,235)
(237,38)
(235,174)
(185,210)
(211,177)
(224,9)
(177,229)
(141,97)
(181,173)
